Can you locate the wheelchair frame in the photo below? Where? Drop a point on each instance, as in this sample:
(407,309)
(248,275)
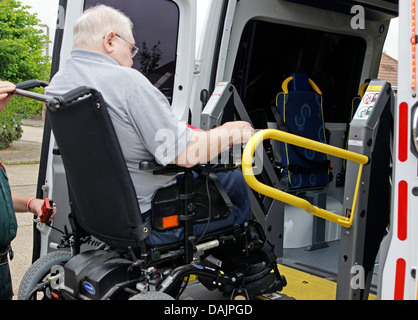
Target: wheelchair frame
(139,275)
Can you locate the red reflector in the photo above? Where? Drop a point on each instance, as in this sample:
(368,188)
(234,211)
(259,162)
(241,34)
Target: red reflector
(403,132)
(402,210)
(400,279)
(170,222)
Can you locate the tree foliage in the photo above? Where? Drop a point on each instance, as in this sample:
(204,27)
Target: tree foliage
(149,59)
(21,44)
(22,58)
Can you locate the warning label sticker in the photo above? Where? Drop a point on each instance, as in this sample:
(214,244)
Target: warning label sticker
(363,112)
(370,98)
(366,106)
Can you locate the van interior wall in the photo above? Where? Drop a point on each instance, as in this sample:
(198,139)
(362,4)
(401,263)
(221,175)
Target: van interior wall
(269,52)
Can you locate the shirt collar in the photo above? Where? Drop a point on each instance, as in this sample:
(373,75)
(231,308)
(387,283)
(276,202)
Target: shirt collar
(92,55)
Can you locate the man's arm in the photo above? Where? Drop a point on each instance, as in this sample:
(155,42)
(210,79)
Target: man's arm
(205,145)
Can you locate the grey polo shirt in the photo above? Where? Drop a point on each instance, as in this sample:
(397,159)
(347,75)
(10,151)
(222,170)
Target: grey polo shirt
(144,123)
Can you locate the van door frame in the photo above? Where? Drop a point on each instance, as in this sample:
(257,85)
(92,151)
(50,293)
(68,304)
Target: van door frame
(234,21)
(185,62)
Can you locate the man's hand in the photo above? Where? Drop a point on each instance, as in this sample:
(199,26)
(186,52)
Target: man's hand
(205,145)
(238,131)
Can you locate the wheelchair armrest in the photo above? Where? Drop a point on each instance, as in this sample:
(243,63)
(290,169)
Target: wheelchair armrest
(160,169)
(206,167)
(149,165)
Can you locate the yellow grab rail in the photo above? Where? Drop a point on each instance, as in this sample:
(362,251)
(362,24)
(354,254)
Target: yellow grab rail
(291,199)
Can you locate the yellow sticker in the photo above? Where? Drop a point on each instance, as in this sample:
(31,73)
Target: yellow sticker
(374,88)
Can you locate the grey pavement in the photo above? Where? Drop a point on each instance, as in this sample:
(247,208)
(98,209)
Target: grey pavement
(22,165)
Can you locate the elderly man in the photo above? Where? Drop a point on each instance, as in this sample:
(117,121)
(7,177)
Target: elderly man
(103,49)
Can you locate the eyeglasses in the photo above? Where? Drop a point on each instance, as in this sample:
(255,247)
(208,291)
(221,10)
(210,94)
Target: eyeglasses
(134,49)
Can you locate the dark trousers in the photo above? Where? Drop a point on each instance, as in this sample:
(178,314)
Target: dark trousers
(6,291)
(237,189)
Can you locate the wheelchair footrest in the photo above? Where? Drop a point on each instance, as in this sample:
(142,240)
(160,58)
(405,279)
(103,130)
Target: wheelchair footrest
(267,285)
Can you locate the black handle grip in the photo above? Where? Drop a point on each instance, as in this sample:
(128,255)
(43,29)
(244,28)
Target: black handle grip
(30,84)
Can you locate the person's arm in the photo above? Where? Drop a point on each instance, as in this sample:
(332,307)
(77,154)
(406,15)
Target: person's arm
(26,204)
(205,145)
(5,88)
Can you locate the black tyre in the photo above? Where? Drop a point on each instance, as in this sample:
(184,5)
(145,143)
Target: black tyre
(40,272)
(151,295)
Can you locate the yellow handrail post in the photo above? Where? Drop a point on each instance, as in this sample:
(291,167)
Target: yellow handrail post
(285,197)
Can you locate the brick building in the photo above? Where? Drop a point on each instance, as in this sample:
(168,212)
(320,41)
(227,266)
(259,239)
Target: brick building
(389,70)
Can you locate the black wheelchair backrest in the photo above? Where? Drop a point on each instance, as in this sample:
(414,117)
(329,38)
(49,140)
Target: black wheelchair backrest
(101,192)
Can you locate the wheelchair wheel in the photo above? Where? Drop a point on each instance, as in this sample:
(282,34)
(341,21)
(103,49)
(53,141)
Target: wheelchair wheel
(154,295)
(38,273)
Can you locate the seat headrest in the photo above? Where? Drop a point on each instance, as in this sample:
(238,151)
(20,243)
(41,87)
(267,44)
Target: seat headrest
(300,82)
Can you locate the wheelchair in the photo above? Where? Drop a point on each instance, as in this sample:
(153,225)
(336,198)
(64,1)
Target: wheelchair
(236,260)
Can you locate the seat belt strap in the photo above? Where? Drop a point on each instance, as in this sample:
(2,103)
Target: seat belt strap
(221,189)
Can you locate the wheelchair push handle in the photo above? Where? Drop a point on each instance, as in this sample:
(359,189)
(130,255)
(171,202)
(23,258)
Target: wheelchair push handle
(31,84)
(23,87)
(52,102)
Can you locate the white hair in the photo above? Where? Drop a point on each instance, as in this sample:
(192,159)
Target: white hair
(96,21)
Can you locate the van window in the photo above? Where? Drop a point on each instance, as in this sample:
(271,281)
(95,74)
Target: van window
(269,52)
(155,32)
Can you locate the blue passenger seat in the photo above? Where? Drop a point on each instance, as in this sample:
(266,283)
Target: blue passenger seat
(298,110)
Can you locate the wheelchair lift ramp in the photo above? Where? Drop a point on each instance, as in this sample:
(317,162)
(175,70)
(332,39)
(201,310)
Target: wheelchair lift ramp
(312,275)
(302,285)
(305,286)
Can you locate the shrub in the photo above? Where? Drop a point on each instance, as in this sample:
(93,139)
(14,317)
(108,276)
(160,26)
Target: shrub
(18,108)
(10,129)
(24,106)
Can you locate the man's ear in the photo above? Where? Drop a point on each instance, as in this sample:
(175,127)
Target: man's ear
(109,41)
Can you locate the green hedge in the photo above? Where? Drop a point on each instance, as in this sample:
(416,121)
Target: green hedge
(25,106)
(10,126)
(10,118)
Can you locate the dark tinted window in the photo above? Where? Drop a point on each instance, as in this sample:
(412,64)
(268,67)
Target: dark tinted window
(155,32)
(269,52)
